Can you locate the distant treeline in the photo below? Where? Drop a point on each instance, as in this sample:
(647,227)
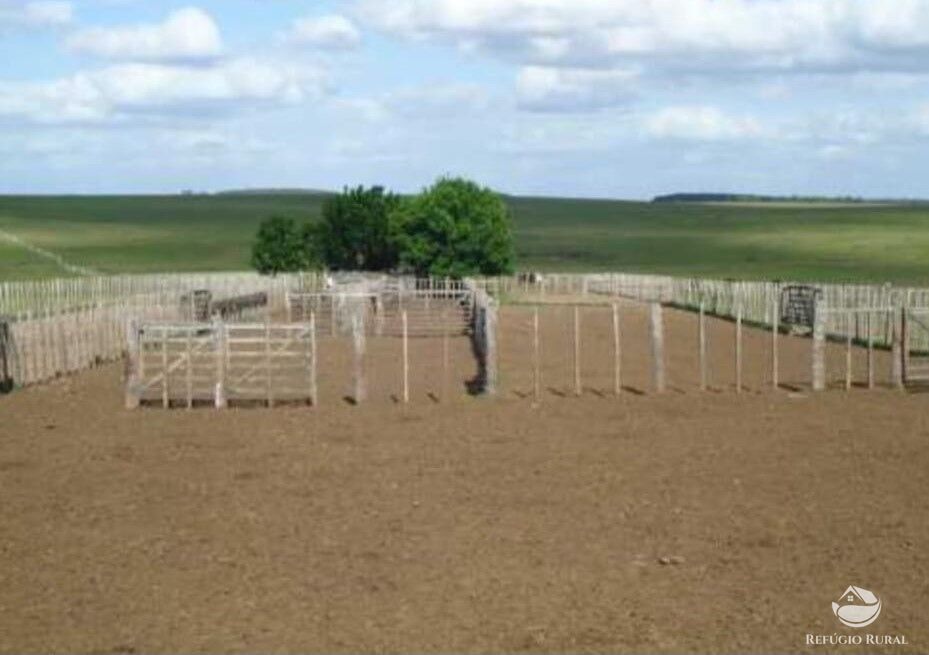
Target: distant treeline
(740,197)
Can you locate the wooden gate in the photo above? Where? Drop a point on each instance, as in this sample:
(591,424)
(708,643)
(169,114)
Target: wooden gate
(175,364)
(915,352)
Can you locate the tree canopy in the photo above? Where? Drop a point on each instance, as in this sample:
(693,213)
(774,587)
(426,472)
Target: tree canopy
(281,247)
(354,233)
(454,228)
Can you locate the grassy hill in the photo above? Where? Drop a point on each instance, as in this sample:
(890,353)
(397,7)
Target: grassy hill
(208,233)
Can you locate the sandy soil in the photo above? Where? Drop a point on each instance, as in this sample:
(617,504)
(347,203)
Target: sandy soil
(474,525)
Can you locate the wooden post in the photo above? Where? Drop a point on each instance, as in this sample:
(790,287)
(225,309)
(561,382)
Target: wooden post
(848,352)
(189,372)
(577,351)
(656,323)
(536,357)
(164,366)
(133,357)
(738,348)
(268,374)
(220,346)
(314,390)
(870,352)
(775,329)
(617,353)
(701,346)
(445,384)
(905,345)
(490,347)
(819,348)
(406,359)
(896,371)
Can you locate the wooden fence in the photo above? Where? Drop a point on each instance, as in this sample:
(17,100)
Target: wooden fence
(54,327)
(430,312)
(755,302)
(183,364)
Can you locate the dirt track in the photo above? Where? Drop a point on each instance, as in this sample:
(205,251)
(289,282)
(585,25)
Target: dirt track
(479,526)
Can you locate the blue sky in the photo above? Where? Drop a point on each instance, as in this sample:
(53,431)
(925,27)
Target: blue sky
(602,98)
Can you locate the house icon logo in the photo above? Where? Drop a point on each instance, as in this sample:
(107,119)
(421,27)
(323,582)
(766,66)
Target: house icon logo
(857,607)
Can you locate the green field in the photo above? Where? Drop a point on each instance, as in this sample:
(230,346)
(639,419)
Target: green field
(208,233)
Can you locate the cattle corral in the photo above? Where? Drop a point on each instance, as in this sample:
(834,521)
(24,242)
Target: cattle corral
(648,522)
(538,463)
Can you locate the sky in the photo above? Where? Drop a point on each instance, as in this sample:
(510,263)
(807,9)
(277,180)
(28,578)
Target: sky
(588,98)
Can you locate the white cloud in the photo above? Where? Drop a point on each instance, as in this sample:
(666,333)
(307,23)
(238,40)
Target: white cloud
(695,35)
(189,33)
(332,32)
(567,89)
(700,123)
(122,91)
(15,14)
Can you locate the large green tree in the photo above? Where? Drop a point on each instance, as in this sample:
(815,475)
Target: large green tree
(354,232)
(281,247)
(454,228)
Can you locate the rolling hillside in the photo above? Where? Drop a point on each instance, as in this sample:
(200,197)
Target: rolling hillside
(206,233)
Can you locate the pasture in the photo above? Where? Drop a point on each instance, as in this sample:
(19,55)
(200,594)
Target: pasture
(136,234)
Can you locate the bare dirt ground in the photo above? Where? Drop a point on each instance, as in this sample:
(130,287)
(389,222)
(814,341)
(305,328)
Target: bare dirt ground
(475,525)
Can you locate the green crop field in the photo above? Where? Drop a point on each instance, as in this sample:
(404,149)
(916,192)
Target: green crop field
(209,233)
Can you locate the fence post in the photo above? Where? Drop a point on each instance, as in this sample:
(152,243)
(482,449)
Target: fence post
(848,352)
(490,347)
(314,391)
(536,357)
(269,381)
(165,401)
(190,371)
(819,348)
(406,359)
(870,352)
(738,347)
(444,320)
(701,345)
(6,356)
(775,329)
(220,346)
(896,371)
(656,323)
(578,389)
(905,345)
(617,353)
